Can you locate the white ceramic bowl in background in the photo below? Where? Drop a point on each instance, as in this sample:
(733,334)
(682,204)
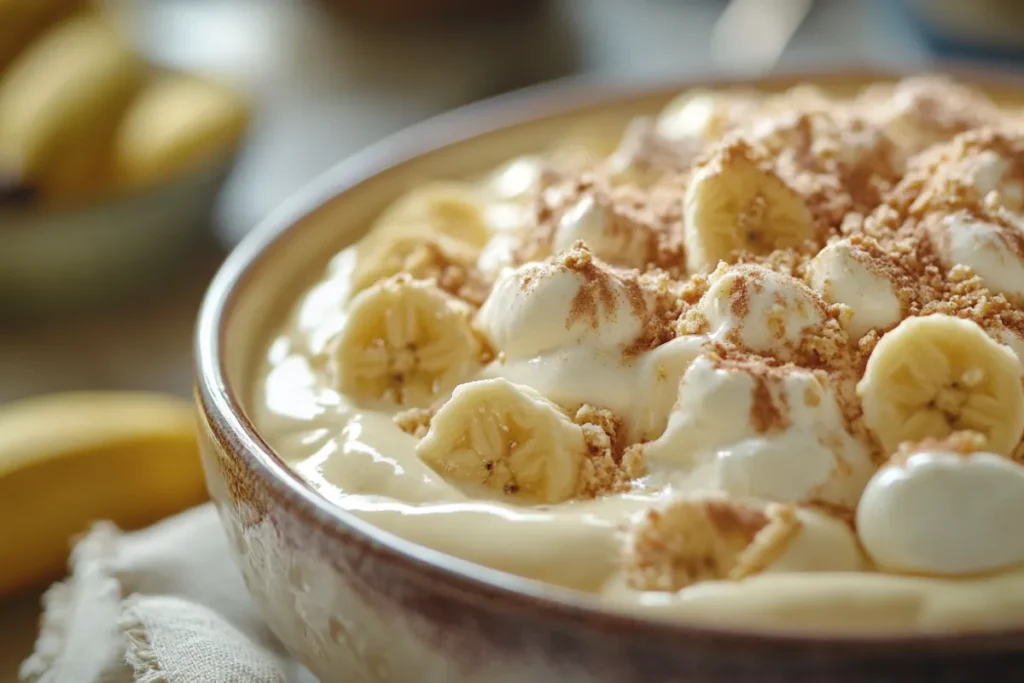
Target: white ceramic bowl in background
(57,257)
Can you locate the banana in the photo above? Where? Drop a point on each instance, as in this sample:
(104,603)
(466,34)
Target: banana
(734,204)
(67,460)
(176,123)
(934,375)
(405,342)
(82,170)
(22,20)
(446,216)
(507,437)
(74,80)
(452,208)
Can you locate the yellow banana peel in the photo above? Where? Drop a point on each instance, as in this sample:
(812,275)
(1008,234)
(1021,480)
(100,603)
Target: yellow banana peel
(22,20)
(176,123)
(67,460)
(75,80)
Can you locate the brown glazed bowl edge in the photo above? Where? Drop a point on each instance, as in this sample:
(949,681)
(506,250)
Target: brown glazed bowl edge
(466,582)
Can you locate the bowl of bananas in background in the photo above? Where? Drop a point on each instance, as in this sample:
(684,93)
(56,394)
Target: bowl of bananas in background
(110,166)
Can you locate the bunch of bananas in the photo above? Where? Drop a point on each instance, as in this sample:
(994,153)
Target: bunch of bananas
(67,460)
(82,114)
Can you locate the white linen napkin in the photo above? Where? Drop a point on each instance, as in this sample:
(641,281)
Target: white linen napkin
(135,608)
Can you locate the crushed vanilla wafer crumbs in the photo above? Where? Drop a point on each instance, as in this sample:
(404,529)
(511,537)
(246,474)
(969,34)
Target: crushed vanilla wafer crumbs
(452,271)
(962,443)
(415,421)
(704,539)
(607,467)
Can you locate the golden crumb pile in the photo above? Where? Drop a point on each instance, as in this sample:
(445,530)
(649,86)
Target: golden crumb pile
(700,539)
(608,468)
(962,443)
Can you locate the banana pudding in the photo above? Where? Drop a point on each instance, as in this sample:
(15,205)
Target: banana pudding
(762,364)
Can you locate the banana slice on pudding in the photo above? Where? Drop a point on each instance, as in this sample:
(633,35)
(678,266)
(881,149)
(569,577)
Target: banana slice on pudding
(734,203)
(934,375)
(405,342)
(507,437)
(451,208)
(446,218)
(941,508)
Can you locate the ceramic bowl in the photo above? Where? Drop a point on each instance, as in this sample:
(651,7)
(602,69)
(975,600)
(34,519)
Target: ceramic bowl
(58,258)
(358,604)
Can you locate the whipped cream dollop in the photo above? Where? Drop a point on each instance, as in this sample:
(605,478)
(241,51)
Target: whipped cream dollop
(945,513)
(994,252)
(843,274)
(750,432)
(766,310)
(575,301)
(516,179)
(498,254)
(591,222)
(658,373)
(573,377)
(701,115)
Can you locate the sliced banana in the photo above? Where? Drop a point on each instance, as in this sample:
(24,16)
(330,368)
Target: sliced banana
(447,217)
(934,375)
(507,437)
(412,248)
(735,204)
(405,342)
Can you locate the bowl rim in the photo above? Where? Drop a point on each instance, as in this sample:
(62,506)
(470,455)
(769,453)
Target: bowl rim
(235,432)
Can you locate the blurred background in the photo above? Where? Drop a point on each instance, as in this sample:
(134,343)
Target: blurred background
(318,80)
(142,139)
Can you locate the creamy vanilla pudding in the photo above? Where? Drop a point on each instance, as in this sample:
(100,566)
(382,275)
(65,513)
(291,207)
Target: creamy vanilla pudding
(761,365)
